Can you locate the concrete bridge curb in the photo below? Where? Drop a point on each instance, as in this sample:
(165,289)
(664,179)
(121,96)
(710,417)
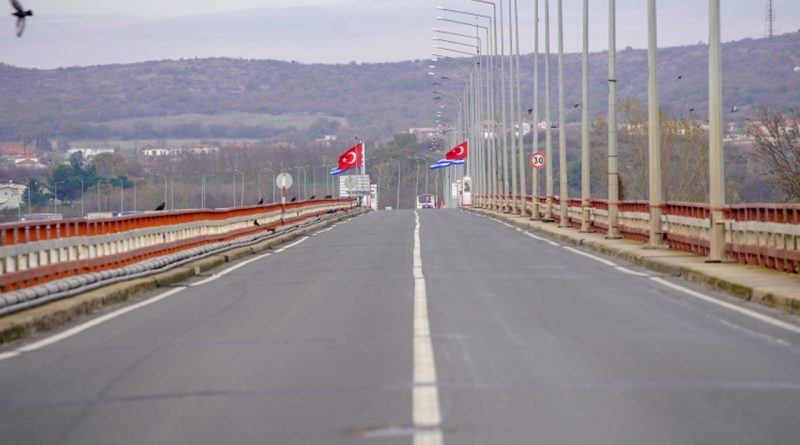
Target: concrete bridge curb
(19,325)
(757,284)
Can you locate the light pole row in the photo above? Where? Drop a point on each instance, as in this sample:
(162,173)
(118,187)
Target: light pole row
(497,157)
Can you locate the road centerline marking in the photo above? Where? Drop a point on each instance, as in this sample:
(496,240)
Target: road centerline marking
(426,413)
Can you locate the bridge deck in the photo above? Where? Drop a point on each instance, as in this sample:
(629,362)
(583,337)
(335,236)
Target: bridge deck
(533,343)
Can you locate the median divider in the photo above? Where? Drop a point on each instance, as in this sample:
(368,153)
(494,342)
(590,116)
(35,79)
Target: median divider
(758,284)
(173,269)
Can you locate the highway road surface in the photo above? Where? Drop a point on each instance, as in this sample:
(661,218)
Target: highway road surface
(394,328)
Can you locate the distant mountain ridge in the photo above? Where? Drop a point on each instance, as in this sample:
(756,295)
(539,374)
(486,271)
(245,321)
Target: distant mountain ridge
(378,99)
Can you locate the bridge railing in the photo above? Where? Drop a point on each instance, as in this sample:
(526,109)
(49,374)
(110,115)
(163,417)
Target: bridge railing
(33,253)
(760,234)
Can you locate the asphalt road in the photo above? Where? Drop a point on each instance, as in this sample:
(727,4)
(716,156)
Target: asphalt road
(320,344)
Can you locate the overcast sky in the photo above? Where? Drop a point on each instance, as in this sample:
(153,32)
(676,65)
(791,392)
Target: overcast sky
(90,32)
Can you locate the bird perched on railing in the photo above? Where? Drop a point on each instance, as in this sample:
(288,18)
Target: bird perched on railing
(161,206)
(328,196)
(294,198)
(261,201)
(20,13)
(311,197)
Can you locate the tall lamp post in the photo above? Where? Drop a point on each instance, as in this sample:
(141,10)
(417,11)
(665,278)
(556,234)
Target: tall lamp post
(715,154)
(203,190)
(83,205)
(235,174)
(166,187)
(273,182)
(563,183)
(55,196)
(613,175)
(654,132)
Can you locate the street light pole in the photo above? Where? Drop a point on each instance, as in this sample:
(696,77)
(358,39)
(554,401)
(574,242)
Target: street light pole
(83,207)
(654,132)
(505,189)
(398,185)
(548,135)
(586,224)
(563,184)
(715,153)
(166,187)
(613,175)
(520,137)
(535,126)
(495,186)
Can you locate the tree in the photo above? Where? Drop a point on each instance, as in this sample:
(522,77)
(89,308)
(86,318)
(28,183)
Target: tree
(777,148)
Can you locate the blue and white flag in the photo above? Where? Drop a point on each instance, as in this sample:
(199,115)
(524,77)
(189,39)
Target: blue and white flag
(335,171)
(443,163)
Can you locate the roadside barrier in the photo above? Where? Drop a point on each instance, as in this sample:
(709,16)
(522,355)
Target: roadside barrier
(766,235)
(41,252)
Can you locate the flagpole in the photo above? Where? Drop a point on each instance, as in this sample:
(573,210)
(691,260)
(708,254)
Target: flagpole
(364,168)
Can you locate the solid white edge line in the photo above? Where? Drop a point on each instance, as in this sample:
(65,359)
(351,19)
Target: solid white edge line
(426,413)
(228,270)
(99,320)
(539,238)
(102,319)
(8,355)
(594,257)
(289,246)
(741,310)
(631,272)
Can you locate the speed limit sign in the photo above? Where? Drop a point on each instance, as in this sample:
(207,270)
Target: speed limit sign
(538,160)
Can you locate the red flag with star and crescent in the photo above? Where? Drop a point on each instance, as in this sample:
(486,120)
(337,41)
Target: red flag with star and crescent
(351,158)
(460,151)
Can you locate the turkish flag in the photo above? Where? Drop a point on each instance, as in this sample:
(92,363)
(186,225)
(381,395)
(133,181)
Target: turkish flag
(457,152)
(351,158)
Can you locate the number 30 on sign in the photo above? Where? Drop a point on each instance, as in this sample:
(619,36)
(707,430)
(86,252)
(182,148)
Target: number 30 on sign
(538,160)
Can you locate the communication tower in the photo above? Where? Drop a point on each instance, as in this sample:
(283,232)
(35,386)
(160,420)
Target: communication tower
(770,29)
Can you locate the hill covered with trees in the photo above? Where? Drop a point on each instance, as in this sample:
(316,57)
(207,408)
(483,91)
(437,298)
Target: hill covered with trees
(258,99)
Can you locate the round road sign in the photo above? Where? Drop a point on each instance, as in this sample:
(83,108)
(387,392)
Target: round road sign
(283,180)
(538,160)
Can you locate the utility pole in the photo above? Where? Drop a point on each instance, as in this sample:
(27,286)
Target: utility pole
(586,193)
(715,148)
(613,175)
(563,184)
(654,132)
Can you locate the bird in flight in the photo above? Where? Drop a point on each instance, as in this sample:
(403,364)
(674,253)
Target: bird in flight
(680,77)
(255,222)
(734,109)
(20,13)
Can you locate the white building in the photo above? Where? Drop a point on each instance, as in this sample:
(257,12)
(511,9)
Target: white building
(153,152)
(11,195)
(29,163)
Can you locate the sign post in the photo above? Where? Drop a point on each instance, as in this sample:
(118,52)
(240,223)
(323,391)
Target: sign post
(283,181)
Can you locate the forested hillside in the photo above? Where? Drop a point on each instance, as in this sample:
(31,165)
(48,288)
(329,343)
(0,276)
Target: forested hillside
(208,97)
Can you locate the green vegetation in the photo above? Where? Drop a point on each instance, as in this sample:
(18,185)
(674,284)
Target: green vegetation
(251,99)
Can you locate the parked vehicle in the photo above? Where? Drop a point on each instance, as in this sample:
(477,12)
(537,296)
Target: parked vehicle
(426,202)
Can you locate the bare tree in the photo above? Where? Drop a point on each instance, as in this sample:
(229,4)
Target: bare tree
(777,139)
